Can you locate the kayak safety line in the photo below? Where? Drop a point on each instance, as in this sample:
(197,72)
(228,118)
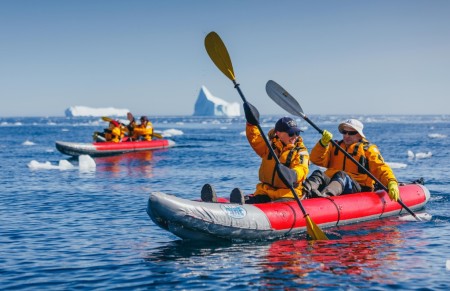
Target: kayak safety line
(383,202)
(295,217)
(337,209)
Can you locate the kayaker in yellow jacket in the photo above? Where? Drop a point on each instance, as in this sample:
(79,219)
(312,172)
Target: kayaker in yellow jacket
(293,155)
(114,132)
(288,146)
(342,176)
(143,131)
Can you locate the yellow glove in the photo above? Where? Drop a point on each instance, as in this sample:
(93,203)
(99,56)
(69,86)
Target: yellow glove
(394,193)
(326,137)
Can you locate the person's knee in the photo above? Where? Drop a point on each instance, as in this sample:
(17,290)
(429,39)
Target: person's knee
(340,177)
(317,176)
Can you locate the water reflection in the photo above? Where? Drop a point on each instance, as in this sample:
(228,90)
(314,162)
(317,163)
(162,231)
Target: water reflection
(129,164)
(364,253)
(364,250)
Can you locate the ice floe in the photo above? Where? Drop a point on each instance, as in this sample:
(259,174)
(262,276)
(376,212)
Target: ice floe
(422,216)
(394,165)
(412,155)
(85,163)
(171,132)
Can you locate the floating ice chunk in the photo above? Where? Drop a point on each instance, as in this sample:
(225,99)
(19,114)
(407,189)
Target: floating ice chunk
(35,165)
(422,217)
(63,165)
(86,163)
(28,143)
(411,155)
(171,132)
(396,165)
(436,135)
(423,155)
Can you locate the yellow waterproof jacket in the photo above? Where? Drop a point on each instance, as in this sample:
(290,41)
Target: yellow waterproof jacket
(144,131)
(365,153)
(295,156)
(115,134)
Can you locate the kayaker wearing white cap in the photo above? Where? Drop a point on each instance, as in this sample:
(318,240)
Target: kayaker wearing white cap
(343,176)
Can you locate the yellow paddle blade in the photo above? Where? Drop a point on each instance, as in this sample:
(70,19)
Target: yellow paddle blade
(105,118)
(157,135)
(219,55)
(313,230)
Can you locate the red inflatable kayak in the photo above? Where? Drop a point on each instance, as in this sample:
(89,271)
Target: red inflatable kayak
(218,221)
(111,148)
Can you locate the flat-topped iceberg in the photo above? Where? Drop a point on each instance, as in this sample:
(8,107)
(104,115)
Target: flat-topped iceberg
(94,112)
(209,105)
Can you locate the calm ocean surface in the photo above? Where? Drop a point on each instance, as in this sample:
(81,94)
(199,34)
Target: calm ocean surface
(63,229)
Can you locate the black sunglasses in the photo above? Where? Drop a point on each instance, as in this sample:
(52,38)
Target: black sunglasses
(292,133)
(344,132)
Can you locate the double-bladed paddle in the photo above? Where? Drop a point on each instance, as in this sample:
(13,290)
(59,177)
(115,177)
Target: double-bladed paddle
(288,103)
(108,119)
(219,55)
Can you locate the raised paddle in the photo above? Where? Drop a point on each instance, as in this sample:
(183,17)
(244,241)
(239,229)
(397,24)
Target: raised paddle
(108,119)
(219,55)
(288,103)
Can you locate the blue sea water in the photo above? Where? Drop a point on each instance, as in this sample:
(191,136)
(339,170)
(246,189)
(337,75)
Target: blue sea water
(64,229)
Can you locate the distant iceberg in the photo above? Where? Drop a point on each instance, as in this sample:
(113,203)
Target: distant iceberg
(94,112)
(209,105)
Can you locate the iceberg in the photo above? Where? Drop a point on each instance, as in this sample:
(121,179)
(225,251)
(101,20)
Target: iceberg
(210,105)
(75,111)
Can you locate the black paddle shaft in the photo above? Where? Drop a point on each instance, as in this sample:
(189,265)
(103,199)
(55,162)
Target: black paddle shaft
(357,163)
(272,152)
(288,103)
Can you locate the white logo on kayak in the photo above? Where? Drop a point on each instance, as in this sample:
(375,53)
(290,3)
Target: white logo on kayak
(234,211)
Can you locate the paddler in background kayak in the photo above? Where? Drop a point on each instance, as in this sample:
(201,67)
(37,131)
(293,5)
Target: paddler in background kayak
(343,176)
(113,133)
(131,125)
(143,131)
(288,145)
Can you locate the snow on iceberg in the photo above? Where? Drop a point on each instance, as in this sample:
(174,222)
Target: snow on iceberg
(209,105)
(74,111)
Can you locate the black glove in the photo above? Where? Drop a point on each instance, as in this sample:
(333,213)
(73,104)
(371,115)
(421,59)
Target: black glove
(287,175)
(251,113)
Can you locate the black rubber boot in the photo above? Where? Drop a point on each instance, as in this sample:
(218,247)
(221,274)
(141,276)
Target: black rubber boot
(333,189)
(208,194)
(237,196)
(312,184)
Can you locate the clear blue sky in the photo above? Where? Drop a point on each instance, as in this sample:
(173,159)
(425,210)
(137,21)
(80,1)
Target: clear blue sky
(349,57)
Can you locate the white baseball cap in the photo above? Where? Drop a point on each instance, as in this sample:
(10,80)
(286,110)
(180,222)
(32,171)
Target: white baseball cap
(353,123)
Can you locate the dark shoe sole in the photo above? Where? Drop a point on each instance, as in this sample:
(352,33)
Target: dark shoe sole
(237,196)
(317,194)
(208,194)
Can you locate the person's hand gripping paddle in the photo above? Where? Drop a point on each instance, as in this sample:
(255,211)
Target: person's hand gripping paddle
(288,103)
